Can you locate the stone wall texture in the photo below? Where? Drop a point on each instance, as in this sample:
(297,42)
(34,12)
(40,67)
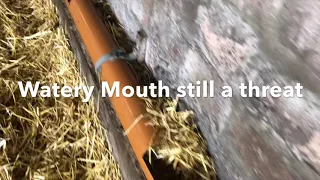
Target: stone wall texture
(271,42)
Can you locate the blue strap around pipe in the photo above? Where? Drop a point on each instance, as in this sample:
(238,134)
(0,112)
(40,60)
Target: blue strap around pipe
(114,55)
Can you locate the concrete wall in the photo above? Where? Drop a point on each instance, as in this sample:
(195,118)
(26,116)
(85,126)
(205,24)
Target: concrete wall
(271,42)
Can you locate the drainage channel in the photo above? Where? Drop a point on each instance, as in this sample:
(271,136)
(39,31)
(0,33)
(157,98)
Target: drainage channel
(100,44)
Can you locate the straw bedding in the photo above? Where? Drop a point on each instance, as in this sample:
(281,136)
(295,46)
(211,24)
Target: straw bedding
(51,138)
(178,140)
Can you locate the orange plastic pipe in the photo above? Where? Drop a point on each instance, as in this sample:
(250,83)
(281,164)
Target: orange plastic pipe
(99,43)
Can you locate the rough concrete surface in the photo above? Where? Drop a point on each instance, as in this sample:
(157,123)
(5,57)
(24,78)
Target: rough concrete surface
(271,42)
